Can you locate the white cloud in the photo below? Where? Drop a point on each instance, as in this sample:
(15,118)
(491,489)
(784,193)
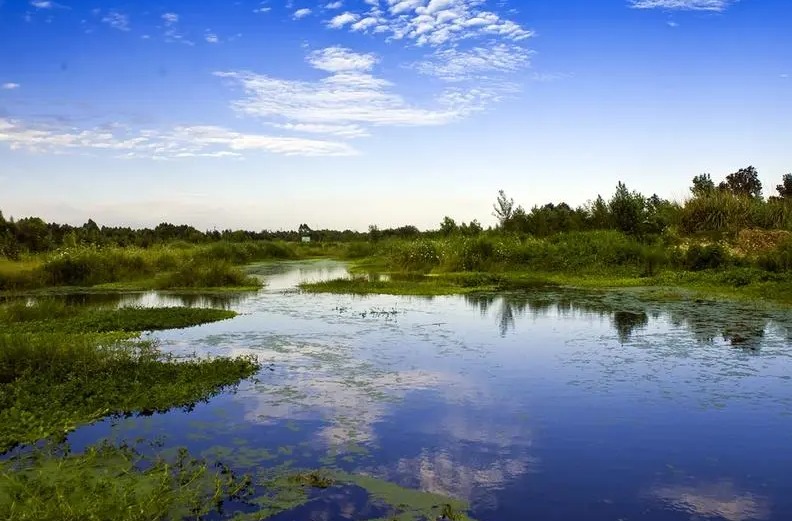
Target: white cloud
(170,18)
(431,22)
(172,33)
(301,13)
(334,5)
(344,131)
(179,142)
(351,100)
(339,59)
(343,19)
(456,65)
(43,4)
(212,38)
(116,20)
(10,86)
(672,23)
(684,5)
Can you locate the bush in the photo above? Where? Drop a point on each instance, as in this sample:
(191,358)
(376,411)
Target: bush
(207,274)
(779,259)
(711,256)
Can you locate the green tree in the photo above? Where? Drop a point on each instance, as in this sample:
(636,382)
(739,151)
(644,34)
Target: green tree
(702,185)
(744,182)
(448,226)
(785,188)
(627,209)
(504,209)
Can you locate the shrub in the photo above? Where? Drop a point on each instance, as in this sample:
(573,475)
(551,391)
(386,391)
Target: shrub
(206,274)
(711,256)
(779,259)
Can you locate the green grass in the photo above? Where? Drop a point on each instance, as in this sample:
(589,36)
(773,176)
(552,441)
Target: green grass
(52,383)
(50,315)
(63,366)
(113,483)
(160,267)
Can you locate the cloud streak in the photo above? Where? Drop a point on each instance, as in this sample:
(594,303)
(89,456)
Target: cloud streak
(683,5)
(179,142)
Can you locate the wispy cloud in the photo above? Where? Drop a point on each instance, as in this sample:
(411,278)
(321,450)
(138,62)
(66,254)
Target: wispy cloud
(351,99)
(179,142)
(10,86)
(683,5)
(46,4)
(460,65)
(334,5)
(116,20)
(172,32)
(170,18)
(301,13)
(432,22)
(211,38)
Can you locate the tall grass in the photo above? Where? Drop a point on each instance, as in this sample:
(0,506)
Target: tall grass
(566,251)
(91,265)
(725,212)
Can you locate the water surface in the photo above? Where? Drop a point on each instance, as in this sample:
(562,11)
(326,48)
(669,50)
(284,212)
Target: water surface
(554,405)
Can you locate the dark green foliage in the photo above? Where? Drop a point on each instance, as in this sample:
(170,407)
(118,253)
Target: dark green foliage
(702,185)
(744,183)
(627,210)
(785,188)
(779,259)
(448,226)
(706,257)
(207,274)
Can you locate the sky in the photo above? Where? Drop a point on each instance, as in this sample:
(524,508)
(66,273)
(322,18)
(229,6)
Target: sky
(346,113)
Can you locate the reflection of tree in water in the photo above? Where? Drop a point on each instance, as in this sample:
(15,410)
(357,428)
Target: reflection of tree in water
(738,324)
(626,322)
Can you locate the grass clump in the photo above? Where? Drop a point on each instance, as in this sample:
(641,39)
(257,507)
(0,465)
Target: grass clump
(408,504)
(108,482)
(124,319)
(207,274)
(52,383)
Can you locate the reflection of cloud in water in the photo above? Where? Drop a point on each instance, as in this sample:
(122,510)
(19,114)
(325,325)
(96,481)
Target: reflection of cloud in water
(316,380)
(444,473)
(719,500)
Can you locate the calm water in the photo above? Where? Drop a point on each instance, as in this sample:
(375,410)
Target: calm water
(556,405)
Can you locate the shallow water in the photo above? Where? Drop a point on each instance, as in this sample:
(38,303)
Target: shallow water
(553,405)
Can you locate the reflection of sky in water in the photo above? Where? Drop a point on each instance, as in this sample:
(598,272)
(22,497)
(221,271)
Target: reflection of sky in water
(551,405)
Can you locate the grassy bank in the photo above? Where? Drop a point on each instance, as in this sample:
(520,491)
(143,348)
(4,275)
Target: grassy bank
(174,266)
(754,265)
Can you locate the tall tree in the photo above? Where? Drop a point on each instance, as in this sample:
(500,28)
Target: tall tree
(744,182)
(504,209)
(702,185)
(785,188)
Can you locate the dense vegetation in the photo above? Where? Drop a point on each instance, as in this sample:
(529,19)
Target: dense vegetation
(62,366)
(721,227)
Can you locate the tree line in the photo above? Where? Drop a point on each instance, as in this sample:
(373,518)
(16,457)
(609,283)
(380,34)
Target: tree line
(736,202)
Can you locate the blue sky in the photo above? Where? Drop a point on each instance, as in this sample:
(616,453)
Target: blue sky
(355,112)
